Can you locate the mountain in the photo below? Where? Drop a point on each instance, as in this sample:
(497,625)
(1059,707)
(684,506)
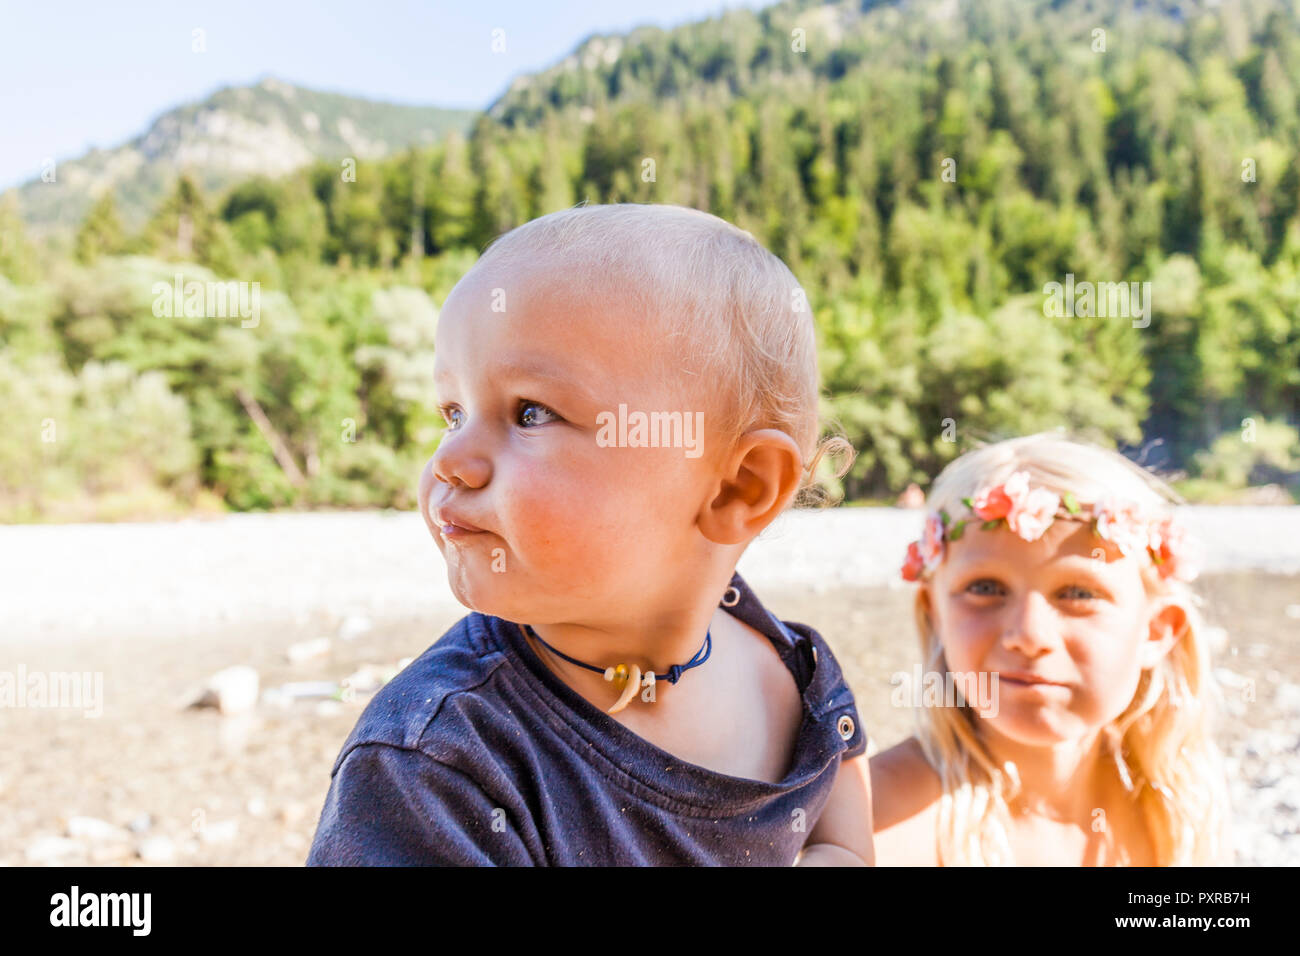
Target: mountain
(270,128)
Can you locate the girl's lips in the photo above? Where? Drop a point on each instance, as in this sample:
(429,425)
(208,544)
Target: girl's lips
(1024,679)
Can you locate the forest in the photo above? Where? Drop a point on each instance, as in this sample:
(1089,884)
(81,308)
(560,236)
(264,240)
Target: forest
(927,170)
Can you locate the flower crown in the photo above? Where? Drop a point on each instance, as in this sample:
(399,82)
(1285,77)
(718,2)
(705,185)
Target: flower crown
(1029,513)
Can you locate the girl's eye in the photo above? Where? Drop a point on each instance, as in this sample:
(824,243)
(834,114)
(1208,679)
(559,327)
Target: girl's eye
(984,587)
(532,414)
(1077,592)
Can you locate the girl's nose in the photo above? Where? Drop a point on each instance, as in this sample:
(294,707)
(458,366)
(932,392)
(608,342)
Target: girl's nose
(1031,625)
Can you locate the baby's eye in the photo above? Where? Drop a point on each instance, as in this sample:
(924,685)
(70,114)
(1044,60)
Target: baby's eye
(451,415)
(1078,592)
(532,414)
(985,587)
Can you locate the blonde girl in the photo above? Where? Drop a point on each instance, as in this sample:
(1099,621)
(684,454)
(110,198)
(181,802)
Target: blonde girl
(1053,593)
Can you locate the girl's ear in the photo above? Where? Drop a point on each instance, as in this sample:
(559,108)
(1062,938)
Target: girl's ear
(1167,623)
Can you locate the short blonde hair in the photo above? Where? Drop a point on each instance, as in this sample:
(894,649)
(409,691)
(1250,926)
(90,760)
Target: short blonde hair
(1162,743)
(743,321)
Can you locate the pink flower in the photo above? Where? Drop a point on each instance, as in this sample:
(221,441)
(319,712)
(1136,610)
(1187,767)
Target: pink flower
(1031,515)
(932,546)
(926,554)
(913,565)
(1176,553)
(1122,523)
(991,504)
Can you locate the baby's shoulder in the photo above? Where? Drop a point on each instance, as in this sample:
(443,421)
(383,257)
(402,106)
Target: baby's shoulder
(409,710)
(905,793)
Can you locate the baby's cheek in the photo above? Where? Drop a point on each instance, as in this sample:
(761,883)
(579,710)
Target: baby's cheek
(573,526)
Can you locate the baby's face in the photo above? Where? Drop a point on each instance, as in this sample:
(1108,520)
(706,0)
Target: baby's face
(536,518)
(1064,621)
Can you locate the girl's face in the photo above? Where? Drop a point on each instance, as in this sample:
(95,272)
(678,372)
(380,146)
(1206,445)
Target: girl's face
(1064,622)
(535,514)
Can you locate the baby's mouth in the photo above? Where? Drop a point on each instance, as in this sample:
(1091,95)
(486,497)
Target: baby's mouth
(453,526)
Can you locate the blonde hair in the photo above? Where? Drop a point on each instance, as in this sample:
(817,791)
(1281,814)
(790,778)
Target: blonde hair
(1161,744)
(742,319)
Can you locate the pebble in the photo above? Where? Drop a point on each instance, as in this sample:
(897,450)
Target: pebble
(94,830)
(354,626)
(1293,611)
(1230,678)
(156,849)
(232,690)
(308,650)
(307,689)
(141,823)
(223,831)
(52,850)
(1287,697)
(110,853)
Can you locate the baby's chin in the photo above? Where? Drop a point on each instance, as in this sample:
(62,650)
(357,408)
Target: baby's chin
(489,594)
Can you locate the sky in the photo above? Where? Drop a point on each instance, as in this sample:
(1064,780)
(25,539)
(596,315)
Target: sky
(83,74)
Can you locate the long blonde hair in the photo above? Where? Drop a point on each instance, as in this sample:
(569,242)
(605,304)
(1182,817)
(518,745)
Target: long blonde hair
(1162,745)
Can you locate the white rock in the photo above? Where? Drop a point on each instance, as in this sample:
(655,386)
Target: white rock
(307,689)
(256,807)
(308,650)
(354,626)
(1287,696)
(232,691)
(52,849)
(104,853)
(223,831)
(328,708)
(94,830)
(1293,611)
(156,849)
(1216,638)
(1230,678)
(141,823)
(235,689)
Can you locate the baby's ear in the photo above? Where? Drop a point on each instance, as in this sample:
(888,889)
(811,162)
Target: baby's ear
(1166,626)
(757,483)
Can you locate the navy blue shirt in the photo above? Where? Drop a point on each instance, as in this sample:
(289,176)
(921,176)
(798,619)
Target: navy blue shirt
(477,753)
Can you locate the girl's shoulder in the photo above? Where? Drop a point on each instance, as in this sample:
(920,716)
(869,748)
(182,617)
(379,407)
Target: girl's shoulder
(905,793)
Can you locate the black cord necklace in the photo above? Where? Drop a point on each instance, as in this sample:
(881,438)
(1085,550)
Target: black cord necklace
(628,677)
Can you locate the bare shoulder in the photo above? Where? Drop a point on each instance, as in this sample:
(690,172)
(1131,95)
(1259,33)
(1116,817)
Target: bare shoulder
(905,794)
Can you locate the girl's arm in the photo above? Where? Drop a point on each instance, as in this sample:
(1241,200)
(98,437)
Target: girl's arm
(842,835)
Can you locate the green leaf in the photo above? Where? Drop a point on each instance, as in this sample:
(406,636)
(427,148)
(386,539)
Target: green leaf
(955,533)
(990,525)
(1071,503)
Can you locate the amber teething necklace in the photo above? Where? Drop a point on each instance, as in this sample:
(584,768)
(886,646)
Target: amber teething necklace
(628,677)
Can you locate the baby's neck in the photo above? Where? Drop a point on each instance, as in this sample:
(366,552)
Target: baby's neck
(672,639)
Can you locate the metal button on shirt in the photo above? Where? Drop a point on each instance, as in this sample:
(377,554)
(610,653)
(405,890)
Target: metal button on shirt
(846,726)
